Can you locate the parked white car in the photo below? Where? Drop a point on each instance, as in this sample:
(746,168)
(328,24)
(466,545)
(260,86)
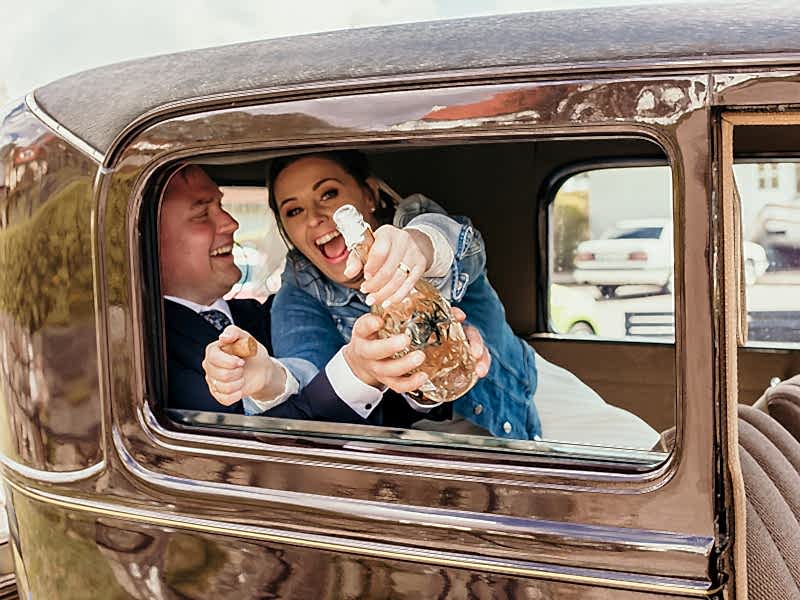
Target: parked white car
(639,252)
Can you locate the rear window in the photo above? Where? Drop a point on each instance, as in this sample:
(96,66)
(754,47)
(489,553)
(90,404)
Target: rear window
(636,233)
(597,285)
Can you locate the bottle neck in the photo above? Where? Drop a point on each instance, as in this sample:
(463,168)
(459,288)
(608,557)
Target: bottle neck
(355,230)
(362,247)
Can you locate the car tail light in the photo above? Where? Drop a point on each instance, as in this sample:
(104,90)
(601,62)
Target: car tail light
(584,256)
(638,255)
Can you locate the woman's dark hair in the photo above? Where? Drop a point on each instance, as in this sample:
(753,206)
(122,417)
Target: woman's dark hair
(353,162)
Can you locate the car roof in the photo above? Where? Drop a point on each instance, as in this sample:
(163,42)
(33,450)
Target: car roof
(97,105)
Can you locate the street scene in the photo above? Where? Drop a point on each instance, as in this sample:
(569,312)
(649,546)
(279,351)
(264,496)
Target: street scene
(614,253)
(772,292)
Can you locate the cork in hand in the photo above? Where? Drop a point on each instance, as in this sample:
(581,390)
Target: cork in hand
(244,347)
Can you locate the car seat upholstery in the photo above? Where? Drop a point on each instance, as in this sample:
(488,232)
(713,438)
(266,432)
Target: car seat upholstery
(770,463)
(782,403)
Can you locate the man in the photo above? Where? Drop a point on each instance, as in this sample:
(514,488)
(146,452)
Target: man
(197,269)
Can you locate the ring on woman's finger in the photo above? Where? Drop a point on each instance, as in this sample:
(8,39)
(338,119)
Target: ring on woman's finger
(404,267)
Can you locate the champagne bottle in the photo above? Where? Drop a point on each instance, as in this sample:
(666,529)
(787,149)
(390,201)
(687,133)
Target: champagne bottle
(425,316)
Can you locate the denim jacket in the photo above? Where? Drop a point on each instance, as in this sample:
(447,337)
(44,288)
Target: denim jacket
(313,317)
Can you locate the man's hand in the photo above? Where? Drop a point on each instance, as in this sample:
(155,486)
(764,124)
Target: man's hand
(397,259)
(231,378)
(370,358)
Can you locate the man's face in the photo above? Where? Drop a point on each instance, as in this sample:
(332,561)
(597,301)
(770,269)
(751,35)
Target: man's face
(195,239)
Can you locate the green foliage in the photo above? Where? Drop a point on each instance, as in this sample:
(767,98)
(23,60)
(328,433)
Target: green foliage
(62,558)
(570,228)
(191,562)
(46,261)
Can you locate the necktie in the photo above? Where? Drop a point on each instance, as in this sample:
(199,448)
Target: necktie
(218,319)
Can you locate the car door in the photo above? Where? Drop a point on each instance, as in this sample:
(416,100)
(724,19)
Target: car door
(381,505)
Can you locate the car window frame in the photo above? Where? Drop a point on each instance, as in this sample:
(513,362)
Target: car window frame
(550,189)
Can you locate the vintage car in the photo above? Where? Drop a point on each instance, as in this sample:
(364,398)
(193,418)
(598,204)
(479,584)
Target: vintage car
(572,311)
(639,252)
(112,494)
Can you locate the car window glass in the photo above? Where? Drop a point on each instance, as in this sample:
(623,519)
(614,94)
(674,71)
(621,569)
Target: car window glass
(634,233)
(770,213)
(611,267)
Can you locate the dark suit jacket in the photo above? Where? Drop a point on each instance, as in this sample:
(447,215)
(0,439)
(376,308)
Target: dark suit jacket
(188,334)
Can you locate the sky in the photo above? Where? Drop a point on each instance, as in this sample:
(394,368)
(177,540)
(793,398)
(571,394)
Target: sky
(44,40)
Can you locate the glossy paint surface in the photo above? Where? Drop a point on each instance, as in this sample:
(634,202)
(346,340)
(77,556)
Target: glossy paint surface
(82,555)
(49,397)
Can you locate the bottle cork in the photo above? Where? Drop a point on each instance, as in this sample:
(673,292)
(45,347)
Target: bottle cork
(244,347)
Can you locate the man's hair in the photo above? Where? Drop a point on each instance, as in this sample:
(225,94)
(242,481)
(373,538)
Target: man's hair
(184,173)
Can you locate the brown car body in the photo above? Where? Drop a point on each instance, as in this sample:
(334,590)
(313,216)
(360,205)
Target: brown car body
(110,496)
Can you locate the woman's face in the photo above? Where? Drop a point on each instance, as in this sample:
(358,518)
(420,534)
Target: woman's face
(307,193)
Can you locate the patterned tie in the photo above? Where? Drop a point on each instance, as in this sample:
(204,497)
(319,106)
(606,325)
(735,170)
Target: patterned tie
(218,319)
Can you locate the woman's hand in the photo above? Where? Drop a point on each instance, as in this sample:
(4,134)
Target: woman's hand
(397,259)
(371,358)
(231,378)
(479,352)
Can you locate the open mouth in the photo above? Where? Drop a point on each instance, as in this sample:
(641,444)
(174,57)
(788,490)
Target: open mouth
(222,251)
(332,246)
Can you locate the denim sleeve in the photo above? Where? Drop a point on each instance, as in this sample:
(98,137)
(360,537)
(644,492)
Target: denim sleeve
(304,335)
(468,248)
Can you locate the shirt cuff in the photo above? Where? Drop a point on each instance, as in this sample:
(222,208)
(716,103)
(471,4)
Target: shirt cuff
(423,408)
(443,254)
(289,389)
(359,396)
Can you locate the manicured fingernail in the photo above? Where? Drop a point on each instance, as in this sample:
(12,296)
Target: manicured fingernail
(419,358)
(370,300)
(363,289)
(385,304)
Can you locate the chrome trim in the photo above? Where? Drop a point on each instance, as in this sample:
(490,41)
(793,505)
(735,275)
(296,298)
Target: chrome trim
(666,585)
(63,132)
(361,448)
(464,520)
(482,76)
(52,476)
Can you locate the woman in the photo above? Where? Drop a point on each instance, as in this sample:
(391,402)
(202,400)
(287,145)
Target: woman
(324,290)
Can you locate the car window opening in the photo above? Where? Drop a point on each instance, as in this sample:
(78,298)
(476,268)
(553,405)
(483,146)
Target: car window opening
(262,238)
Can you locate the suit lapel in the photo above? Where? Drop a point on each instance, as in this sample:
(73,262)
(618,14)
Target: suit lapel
(188,324)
